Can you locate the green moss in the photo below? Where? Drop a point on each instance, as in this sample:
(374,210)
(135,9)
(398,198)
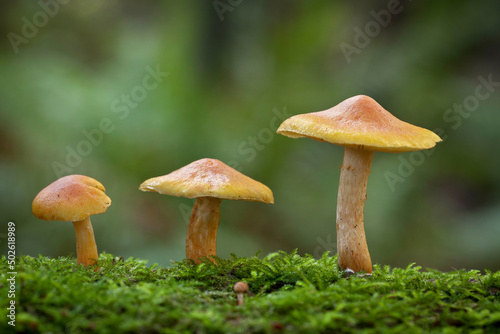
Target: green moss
(290,293)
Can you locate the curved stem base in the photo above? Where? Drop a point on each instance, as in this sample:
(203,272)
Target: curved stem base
(86,248)
(352,249)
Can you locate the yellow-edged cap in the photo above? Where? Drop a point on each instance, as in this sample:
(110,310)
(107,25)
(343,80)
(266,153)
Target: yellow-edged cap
(362,123)
(209,178)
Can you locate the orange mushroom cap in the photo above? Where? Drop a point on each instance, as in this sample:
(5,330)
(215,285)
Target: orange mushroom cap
(209,178)
(362,123)
(71,198)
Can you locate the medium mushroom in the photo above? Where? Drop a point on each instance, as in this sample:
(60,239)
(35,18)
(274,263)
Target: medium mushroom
(209,181)
(74,198)
(362,126)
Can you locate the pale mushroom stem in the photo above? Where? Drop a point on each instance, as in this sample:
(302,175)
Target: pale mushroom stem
(240,298)
(352,250)
(86,249)
(202,230)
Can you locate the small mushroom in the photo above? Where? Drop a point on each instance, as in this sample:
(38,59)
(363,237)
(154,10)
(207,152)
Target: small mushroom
(74,198)
(240,288)
(209,181)
(362,126)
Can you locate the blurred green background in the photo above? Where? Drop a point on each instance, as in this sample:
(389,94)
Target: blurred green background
(227,73)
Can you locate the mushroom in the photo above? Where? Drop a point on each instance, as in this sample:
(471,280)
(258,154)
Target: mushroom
(209,181)
(240,288)
(362,126)
(74,198)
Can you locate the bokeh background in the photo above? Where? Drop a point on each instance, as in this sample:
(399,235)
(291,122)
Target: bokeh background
(227,73)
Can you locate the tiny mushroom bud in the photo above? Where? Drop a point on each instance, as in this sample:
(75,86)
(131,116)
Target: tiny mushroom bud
(348,272)
(209,181)
(362,126)
(74,198)
(240,288)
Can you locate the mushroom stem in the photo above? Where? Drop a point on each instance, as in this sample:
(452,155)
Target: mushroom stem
(202,229)
(86,249)
(240,298)
(352,249)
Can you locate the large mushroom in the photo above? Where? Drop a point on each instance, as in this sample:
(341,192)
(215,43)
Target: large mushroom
(209,181)
(362,126)
(74,198)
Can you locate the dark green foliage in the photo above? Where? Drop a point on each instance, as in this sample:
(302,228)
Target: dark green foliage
(288,293)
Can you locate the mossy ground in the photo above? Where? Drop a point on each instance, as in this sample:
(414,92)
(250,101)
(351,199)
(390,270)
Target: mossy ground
(290,293)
